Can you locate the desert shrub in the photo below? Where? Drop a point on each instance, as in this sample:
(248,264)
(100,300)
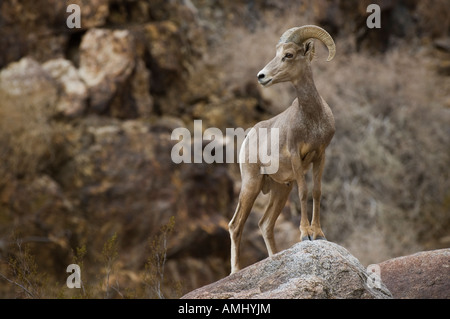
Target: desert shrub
(102,279)
(154,278)
(24,273)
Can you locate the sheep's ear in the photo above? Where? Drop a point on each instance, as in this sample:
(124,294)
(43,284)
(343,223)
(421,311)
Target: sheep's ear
(308,49)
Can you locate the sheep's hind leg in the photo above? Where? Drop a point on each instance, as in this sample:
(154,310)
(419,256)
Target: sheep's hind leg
(249,192)
(278,197)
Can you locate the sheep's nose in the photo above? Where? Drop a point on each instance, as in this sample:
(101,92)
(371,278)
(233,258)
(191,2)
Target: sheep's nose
(261,76)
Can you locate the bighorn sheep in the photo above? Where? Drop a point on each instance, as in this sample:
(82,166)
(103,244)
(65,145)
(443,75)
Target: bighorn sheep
(305,130)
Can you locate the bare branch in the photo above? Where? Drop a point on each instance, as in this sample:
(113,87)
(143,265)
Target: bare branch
(18,285)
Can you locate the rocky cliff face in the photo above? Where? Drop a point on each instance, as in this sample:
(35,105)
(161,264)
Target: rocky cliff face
(86,117)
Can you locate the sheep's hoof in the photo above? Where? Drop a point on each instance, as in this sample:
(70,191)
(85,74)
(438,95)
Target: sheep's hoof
(305,238)
(320,238)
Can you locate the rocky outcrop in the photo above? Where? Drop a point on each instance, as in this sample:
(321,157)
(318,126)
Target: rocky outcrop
(117,80)
(48,89)
(310,269)
(422,275)
(26,85)
(73,91)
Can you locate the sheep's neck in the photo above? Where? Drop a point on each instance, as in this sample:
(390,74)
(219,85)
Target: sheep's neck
(307,95)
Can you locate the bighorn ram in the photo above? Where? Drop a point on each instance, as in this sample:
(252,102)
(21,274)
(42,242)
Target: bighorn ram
(305,130)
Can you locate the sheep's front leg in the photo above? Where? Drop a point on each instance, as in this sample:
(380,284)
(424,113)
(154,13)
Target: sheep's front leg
(317,179)
(305,228)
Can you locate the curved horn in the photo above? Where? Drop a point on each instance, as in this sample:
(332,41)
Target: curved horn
(299,35)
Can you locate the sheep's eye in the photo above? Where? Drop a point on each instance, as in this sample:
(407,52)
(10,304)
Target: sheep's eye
(288,55)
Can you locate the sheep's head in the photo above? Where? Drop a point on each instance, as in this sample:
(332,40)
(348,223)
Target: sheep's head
(295,50)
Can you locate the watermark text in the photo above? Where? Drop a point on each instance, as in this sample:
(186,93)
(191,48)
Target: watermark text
(256,146)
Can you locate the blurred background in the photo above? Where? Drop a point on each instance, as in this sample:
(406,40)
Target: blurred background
(86,116)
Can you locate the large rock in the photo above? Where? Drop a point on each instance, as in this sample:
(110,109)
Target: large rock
(310,269)
(422,275)
(73,91)
(26,85)
(116,78)
(106,61)
(48,89)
